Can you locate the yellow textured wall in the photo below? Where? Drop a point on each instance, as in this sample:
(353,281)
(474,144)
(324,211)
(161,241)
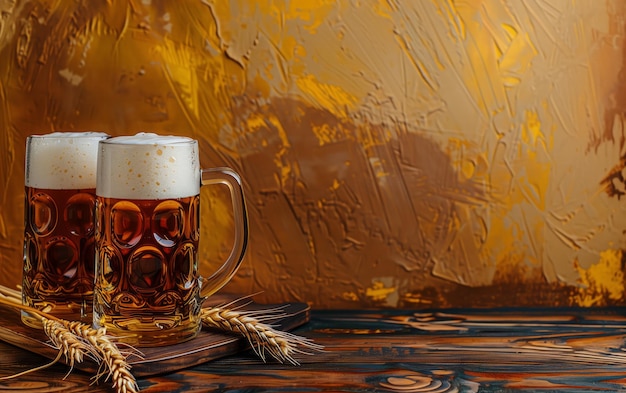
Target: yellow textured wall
(395,153)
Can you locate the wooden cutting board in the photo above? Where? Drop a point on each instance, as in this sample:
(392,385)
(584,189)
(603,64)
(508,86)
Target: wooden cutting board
(208,345)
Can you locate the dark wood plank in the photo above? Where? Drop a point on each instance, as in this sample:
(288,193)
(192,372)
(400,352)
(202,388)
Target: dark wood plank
(553,351)
(207,346)
(556,351)
(52,379)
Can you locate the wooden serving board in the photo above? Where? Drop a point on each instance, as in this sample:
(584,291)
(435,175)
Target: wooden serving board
(208,345)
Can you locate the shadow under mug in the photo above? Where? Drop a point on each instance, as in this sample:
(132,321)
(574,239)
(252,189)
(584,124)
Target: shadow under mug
(148,291)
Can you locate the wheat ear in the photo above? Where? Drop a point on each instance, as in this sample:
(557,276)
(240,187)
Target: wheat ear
(262,337)
(115,361)
(112,361)
(62,338)
(75,340)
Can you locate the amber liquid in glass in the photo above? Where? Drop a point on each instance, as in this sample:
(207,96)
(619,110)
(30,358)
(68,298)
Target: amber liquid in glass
(59,251)
(147,288)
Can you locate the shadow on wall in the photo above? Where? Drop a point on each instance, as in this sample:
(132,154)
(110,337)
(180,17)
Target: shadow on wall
(335,205)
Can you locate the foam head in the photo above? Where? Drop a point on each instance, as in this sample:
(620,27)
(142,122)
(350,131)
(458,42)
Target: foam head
(62,160)
(148,166)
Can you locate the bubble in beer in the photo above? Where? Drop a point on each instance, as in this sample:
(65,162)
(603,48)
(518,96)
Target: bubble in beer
(62,257)
(147,269)
(168,223)
(79,214)
(127,224)
(184,261)
(111,263)
(43,211)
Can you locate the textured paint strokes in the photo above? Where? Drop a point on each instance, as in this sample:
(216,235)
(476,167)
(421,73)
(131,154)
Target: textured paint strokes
(420,153)
(517,229)
(602,280)
(379,292)
(329,97)
(499,106)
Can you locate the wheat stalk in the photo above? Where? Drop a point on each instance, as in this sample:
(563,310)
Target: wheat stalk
(76,340)
(108,356)
(115,361)
(262,337)
(63,339)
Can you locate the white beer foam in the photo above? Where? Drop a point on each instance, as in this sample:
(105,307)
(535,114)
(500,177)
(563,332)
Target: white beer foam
(62,160)
(148,166)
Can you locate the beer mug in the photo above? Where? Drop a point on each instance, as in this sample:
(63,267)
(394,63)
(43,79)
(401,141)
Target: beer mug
(148,290)
(60,185)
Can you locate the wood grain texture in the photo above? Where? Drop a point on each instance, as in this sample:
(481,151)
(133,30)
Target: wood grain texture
(549,350)
(207,346)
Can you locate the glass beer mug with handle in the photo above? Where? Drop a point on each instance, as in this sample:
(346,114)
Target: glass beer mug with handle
(148,290)
(60,195)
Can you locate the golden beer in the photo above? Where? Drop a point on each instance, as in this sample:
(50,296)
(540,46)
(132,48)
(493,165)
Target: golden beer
(59,207)
(147,285)
(147,266)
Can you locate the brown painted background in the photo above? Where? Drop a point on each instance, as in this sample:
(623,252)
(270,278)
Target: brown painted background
(395,153)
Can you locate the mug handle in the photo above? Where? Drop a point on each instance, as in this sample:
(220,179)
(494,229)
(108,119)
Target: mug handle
(232,180)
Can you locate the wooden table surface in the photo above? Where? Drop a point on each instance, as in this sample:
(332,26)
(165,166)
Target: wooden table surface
(399,351)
